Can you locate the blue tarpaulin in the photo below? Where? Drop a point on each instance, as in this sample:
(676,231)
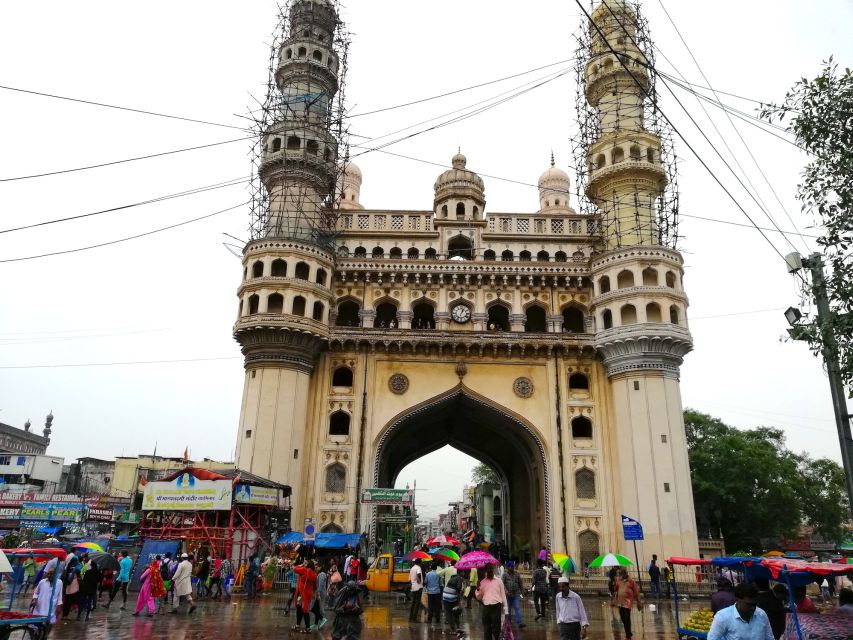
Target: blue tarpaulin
(323,541)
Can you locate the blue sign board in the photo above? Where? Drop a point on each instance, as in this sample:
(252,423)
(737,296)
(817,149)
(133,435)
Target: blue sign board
(631,529)
(150,550)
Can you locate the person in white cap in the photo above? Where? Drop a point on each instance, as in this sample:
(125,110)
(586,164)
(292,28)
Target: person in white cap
(183,584)
(572,622)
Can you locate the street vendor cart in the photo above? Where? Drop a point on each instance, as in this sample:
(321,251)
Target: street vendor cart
(27,625)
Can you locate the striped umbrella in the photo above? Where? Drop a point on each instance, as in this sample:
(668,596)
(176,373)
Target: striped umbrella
(89,545)
(417,555)
(565,562)
(610,560)
(446,554)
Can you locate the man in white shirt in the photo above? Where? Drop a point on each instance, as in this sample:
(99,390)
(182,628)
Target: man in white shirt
(572,622)
(416,580)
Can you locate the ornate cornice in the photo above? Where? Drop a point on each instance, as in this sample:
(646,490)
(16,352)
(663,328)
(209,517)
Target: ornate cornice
(279,346)
(651,346)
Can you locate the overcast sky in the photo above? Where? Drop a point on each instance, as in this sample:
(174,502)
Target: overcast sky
(172,296)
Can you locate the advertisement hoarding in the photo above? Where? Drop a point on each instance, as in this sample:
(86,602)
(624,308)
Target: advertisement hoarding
(187,493)
(394,497)
(251,494)
(51,511)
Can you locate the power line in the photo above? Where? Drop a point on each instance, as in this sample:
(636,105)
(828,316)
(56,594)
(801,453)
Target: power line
(114,162)
(134,237)
(740,224)
(218,185)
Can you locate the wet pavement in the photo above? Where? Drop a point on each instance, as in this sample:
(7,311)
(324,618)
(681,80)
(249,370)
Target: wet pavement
(384,618)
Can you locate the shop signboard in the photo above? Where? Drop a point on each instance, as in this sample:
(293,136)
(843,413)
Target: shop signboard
(16,499)
(187,493)
(394,497)
(252,494)
(97,514)
(9,513)
(51,511)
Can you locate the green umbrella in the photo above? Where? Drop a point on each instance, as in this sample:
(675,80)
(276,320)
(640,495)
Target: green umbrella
(610,560)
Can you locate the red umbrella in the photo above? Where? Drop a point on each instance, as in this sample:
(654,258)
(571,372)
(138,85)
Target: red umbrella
(417,555)
(443,541)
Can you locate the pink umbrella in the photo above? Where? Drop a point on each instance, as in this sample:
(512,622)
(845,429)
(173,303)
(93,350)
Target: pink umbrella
(476,560)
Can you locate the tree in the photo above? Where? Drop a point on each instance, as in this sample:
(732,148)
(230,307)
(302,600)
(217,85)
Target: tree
(748,485)
(819,113)
(484,474)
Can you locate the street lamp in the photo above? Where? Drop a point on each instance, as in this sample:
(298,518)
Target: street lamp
(793,315)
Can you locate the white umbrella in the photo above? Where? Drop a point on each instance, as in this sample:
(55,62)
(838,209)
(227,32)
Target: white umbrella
(5,565)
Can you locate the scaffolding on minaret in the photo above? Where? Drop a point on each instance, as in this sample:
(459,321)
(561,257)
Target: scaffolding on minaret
(661,227)
(301,135)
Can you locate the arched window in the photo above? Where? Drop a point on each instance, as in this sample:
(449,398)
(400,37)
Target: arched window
(670,279)
(462,247)
(653,312)
(336,478)
(635,152)
(650,155)
(276,144)
(339,424)
(386,316)
(444,211)
(543,256)
(360,252)
(628,314)
(585,484)
(396,253)
(378,252)
(617,155)
(293,143)
(254,301)
(423,316)
(625,279)
(347,314)
(476,211)
(498,318)
(506,256)
(275,303)
(579,382)
(343,251)
(560,256)
(607,319)
(600,161)
(650,277)
(673,314)
(460,211)
(342,377)
(525,256)
(320,278)
(413,253)
(588,545)
(603,284)
(289,54)
(430,254)
(488,254)
(258,269)
(312,147)
(278,268)
(302,270)
(331,528)
(298,306)
(245,271)
(302,51)
(535,321)
(318,310)
(317,55)
(581,428)
(573,320)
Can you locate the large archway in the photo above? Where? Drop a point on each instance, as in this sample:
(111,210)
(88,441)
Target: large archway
(488,432)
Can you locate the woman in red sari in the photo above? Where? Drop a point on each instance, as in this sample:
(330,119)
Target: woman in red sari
(305,587)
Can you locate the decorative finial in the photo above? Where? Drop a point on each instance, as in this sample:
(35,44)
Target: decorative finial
(47,424)
(552,157)
(27,425)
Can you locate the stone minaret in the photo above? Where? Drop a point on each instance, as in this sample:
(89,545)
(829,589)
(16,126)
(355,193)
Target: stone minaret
(639,302)
(284,296)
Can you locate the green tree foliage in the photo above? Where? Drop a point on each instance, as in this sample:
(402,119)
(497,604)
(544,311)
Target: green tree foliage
(484,474)
(748,485)
(819,113)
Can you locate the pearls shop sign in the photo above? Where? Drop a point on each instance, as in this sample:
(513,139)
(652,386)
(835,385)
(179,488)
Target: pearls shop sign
(51,511)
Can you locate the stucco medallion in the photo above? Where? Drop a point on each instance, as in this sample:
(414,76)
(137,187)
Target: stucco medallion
(523,387)
(398,383)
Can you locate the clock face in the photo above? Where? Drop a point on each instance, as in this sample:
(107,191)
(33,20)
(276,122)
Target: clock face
(460,313)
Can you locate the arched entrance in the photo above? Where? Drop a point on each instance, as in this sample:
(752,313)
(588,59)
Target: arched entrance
(484,430)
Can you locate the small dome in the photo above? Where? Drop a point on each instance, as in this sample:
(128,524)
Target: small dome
(349,186)
(554,187)
(553,175)
(351,169)
(458,176)
(458,161)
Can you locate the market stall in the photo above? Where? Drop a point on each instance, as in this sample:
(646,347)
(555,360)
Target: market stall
(27,624)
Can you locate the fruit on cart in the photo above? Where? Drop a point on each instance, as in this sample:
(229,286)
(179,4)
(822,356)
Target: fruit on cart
(699,621)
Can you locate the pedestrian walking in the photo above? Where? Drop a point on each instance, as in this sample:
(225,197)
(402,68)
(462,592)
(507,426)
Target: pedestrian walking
(554,580)
(492,594)
(348,610)
(88,590)
(71,578)
(451,599)
(572,622)
(305,588)
(203,573)
(416,584)
(320,598)
(216,577)
(146,596)
(107,580)
(47,596)
(183,584)
(122,581)
(471,587)
(251,577)
(432,584)
(724,596)
(627,596)
(667,578)
(512,586)
(226,571)
(543,554)
(540,589)
(743,620)
(29,565)
(654,576)
(612,576)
